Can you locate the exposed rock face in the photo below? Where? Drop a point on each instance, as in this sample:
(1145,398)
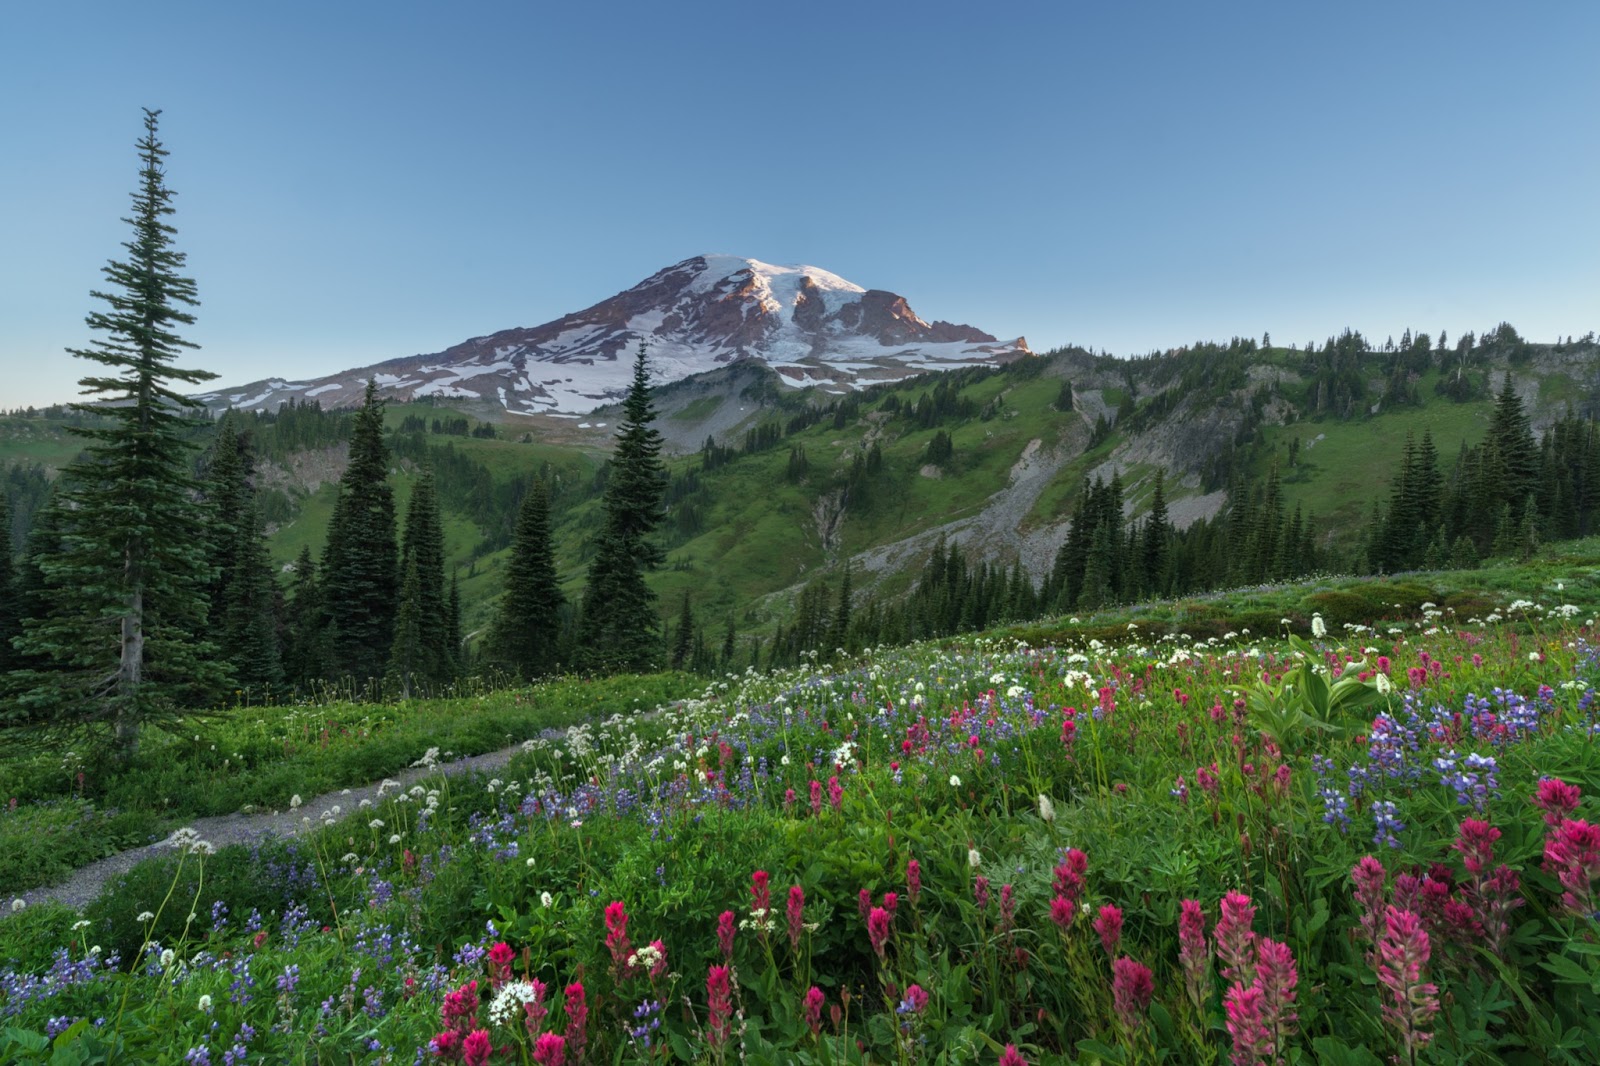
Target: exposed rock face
(810,325)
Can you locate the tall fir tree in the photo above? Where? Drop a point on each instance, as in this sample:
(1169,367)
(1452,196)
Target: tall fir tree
(620,627)
(124,597)
(360,563)
(452,627)
(408,650)
(243,608)
(423,544)
(10,590)
(527,627)
(307,655)
(683,638)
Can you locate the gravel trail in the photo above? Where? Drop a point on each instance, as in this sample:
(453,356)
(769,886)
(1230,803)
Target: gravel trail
(238,828)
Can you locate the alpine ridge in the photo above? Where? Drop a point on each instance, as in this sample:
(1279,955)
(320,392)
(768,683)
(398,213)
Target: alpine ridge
(811,326)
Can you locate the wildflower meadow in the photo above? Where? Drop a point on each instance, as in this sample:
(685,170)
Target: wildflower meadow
(1343,844)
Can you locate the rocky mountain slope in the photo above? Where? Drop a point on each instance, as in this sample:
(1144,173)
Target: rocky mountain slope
(811,326)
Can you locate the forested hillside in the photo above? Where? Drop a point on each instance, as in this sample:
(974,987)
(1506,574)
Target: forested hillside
(1064,482)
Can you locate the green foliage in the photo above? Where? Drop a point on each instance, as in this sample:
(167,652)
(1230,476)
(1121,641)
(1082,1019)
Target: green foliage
(360,564)
(618,627)
(117,629)
(527,628)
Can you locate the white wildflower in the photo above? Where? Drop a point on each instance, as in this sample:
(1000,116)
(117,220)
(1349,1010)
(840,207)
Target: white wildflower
(1047,810)
(167,958)
(18,904)
(394,838)
(1384,684)
(955,782)
(294,802)
(81,923)
(974,859)
(546,900)
(205,1003)
(376,823)
(507,1003)
(145,916)
(350,857)
(645,958)
(1319,629)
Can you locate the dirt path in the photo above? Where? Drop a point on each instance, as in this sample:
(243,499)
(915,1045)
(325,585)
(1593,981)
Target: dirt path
(87,881)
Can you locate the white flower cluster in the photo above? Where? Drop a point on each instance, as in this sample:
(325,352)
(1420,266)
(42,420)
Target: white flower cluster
(187,840)
(429,760)
(506,1006)
(646,958)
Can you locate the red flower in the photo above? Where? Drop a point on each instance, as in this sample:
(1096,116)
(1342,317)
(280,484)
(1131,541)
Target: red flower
(725,929)
(814,1001)
(617,936)
(1109,926)
(797,908)
(760,892)
(460,1009)
(577,1020)
(878,923)
(550,1050)
(500,957)
(1012,1057)
(913,879)
(476,1048)
(1132,987)
(719,1002)
(1557,799)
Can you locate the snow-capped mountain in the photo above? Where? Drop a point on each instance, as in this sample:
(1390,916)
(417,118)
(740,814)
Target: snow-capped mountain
(811,326)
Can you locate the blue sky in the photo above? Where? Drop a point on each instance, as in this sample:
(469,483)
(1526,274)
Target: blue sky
(363,181)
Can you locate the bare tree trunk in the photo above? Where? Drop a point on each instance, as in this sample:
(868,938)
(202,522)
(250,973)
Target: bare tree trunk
(129,674)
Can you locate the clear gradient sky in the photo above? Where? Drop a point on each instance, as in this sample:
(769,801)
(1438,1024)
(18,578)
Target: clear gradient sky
(359,181)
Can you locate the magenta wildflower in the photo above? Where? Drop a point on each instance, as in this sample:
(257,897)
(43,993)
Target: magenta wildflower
(1132,987)
(725,933)
(500,959)
(1557,799)
(835,792)
(891,903)
(1475,841)
(1411,1001)
(460,1009)
(788,799)
(1235,939)
(1012,1057)
(1370,876)
(1277,977)
(1109,926)
(878,922)
(1062,912)
(797,908)
(814,1003)
(916,999)
(535,1011)
(760,893)
(550,1050)
(1008,909)
(476,1048)
(864,903)
(1194,953)
(980,892)
(1247,1026)
(913,880)
(719,1004)
(816,797)
(617,936)
(1572,854)
(577,1020)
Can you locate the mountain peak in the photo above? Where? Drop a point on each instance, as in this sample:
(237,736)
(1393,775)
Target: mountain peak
(809,324)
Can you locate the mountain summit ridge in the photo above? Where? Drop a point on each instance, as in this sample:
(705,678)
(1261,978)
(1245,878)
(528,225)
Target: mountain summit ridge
(810,325)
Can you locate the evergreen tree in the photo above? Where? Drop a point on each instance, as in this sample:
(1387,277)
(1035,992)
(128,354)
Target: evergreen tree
(124,590)
(620,626)
(839,631)
(684,637)
(243,594)
(452,631)
(728,645)
(408,651)
(250,614)
(307,655)
(423,544)
(359,564)
(10,590)
(1157,532)
(527,628)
